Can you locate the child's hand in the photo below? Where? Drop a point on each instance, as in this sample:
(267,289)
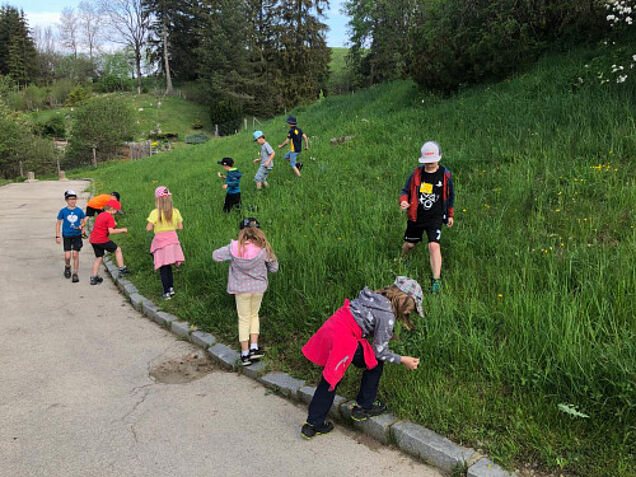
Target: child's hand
(225,186)
(220,175)
(404,205)
(58,240)
(410,363)
(450,221)
(258,159)
(124,230)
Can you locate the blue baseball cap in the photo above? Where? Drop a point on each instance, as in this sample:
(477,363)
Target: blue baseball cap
(257,134)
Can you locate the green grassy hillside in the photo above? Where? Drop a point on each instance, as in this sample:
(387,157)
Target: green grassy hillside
(538,307)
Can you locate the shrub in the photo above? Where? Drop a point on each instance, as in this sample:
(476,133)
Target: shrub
(77,95)
(197,124)
(103,123)
(227,115)
(55,126)
(34,97)
(109,84)
(60,91)
(16,101)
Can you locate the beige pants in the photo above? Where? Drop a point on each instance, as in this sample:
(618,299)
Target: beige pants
(247,306)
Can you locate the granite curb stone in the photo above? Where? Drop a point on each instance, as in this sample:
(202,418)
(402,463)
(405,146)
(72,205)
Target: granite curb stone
(202,339)
(126,287)
(137,301)
(283,383)
(181,329)
(485,468)
(224,354)
(378,427)
(255,370)
(429,446)
(165,319)
(306,393)
(149,309)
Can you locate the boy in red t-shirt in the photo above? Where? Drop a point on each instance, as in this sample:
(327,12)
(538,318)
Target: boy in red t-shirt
(104,226)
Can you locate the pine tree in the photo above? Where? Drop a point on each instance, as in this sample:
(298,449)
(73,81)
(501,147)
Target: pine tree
(17,48)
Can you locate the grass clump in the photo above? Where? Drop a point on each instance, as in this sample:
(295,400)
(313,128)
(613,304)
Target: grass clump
(537,308)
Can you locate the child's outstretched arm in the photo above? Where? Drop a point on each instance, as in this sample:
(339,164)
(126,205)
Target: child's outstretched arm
(113,231)
(410,363)
(222,254)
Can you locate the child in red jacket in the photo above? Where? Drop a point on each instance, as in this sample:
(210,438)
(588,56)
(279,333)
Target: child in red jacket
(342,340)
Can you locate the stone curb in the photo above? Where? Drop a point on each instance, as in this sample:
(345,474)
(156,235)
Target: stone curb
(411,438)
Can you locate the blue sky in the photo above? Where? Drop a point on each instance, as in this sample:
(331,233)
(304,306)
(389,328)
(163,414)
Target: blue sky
(46,12)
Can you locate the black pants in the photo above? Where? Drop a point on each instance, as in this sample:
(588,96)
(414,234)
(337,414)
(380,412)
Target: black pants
(323,398)
(166,277)
(232,200)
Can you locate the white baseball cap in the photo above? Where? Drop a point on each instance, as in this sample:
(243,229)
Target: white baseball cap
(430,152)
(69,193)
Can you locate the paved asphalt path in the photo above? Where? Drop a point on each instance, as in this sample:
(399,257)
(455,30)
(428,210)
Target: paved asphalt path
(76,398)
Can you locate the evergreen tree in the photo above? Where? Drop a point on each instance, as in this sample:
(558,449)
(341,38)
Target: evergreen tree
(17,48)
(302,59)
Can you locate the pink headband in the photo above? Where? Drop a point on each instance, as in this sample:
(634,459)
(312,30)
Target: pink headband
(162,191)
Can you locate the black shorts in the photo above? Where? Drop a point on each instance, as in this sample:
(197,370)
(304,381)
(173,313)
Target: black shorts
(232,200)
(100,248)
(415,232)
(72,243)
(90,212)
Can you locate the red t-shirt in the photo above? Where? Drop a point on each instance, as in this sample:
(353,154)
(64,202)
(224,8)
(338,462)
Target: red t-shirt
(103,222)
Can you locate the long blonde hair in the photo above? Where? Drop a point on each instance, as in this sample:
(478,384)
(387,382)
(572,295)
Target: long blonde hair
(255,236)
(164,207)
(402,304)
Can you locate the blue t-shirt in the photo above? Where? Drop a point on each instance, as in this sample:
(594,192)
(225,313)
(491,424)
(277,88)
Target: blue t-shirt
(71,221)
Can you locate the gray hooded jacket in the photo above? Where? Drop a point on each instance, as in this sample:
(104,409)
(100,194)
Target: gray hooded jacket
(374,314)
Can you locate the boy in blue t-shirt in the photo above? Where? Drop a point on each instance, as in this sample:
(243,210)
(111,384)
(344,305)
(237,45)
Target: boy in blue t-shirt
(72,220)
(295,138)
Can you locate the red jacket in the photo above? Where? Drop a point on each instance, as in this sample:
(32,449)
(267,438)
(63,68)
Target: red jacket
(410,192)
(335,343)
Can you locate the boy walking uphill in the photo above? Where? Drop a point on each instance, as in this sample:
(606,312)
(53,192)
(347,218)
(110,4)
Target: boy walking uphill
(428,198)
(295,136)
(232,184)
(71,219)
(266,160)
(99,239)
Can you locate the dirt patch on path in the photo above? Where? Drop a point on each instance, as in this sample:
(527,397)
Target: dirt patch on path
(182,370)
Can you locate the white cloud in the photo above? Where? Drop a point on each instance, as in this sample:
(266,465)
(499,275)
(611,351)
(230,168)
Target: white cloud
(42,18)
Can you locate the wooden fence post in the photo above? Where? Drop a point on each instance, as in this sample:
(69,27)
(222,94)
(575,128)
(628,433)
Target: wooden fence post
(94,157)
(216,130)
(21,170)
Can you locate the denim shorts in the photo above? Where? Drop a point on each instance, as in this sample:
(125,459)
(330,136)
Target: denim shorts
(292,157)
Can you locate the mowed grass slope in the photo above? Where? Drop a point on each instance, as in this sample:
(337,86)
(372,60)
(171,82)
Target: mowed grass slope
(539,270)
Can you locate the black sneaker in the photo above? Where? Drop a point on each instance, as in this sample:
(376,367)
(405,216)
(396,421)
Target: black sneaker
(256,354)
(299,166)
(123,271)
(171,291)
(361,414)
(96,280)
(167,296)
(67,271)
(75,278)
(245,360)
(308,430)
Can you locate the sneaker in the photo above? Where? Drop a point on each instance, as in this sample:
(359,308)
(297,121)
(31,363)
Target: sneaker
(123,271)
(96,280)
(299,166)
(256,354)
(245,360)
(75,278)
(167,296)
(436,285)
(171,291)
(361,414)
(308,430)
(67,271)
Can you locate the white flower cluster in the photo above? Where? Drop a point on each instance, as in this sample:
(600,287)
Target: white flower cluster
(620,11)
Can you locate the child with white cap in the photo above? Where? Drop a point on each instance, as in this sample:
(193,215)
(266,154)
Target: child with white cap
(428,197)
(71,219)
(343,340)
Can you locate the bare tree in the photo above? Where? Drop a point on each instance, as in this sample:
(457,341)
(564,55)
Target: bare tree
(89,26)
(68,28)
(44,38)
(127,20)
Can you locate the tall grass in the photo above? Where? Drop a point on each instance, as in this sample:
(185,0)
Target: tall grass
(539,270)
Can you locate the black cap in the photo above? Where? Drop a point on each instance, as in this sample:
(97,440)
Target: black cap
(226,161)
(291,119)
(116,194)
(249,222)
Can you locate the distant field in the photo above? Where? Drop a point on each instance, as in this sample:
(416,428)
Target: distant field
(339,76)
(537,318)
(174,115)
